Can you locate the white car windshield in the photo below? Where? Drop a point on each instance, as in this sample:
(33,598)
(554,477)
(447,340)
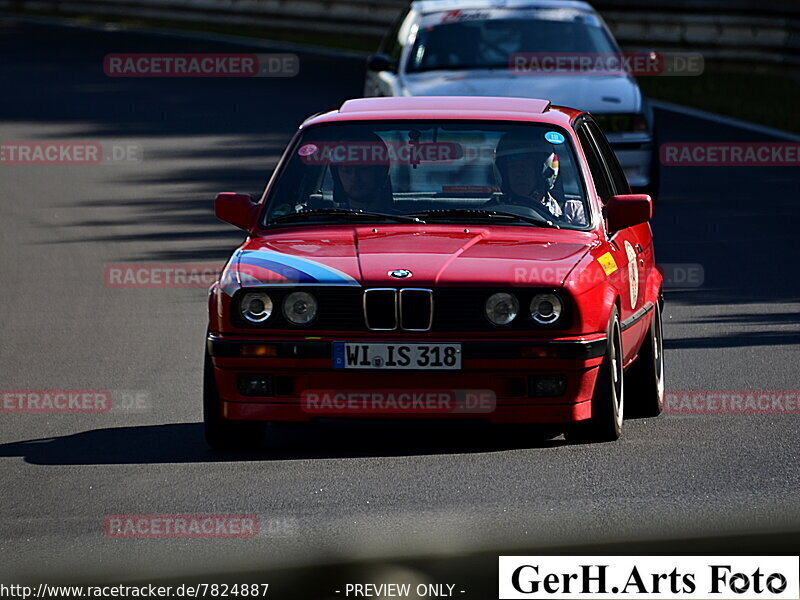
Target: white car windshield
(493,38)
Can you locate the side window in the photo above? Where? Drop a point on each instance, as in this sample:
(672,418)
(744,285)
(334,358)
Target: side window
(391,45)
(614,169)
(601,181)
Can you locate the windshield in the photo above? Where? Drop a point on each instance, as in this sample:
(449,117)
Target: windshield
(491,39)
(446,171)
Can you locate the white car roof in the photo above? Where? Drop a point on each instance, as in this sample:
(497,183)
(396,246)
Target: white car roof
(426,7)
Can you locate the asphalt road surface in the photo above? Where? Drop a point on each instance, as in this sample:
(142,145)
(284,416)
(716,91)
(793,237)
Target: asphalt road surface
(337,492)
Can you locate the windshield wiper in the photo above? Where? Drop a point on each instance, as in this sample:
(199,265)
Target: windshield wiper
(342,212)
(483,214)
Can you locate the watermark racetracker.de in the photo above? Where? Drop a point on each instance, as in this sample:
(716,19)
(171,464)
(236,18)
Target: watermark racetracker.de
(397,401)
(69,152)
(676,275)
(729,402)
(201,65)
(191,525)
(730,154)
(55,401)
(180,526)
(636,64)
(73,401)
(161,275)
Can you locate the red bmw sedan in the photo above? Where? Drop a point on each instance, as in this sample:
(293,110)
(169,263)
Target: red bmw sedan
(438,258)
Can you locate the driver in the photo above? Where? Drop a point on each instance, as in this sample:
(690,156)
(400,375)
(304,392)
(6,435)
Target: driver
(364,185)
(528,175)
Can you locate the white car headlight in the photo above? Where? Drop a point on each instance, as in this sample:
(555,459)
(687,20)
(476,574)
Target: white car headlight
(255,307)
(300,308)
(502,308)
(546,308)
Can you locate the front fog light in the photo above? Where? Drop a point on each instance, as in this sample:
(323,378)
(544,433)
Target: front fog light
(254,384)
(546,308)
(300,308)
(502,308)
(546,386)
(256,307)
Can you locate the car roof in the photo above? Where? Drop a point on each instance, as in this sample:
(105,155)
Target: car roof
(478,108)
(427,7)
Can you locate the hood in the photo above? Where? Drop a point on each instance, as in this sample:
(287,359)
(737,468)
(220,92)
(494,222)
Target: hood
(593,93)
(435,255)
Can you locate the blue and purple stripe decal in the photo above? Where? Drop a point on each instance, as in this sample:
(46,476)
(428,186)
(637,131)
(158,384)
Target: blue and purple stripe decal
(267,268)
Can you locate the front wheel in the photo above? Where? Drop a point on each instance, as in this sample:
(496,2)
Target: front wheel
(223,434)
(608,401)
(645,379)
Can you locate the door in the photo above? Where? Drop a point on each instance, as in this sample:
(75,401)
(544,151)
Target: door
(625,246)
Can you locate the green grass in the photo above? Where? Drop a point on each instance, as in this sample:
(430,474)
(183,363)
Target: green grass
(769,97)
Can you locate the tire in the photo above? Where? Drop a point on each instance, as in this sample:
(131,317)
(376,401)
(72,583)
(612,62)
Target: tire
(608,401)
(223,434)
(645,379)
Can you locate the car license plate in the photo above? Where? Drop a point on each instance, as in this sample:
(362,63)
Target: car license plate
(356,355)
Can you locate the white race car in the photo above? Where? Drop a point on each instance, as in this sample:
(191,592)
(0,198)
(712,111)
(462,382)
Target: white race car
(474,48)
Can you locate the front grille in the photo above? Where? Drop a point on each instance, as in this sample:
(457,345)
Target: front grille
(380,309)
(416,309)
(408,309)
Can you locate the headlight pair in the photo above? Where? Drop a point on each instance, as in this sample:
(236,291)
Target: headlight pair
(502,308)
(299,308)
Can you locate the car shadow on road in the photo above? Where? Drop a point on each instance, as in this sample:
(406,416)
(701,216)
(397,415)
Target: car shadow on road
(184,443)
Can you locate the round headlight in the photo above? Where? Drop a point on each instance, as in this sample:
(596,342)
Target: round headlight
(300,308)
(502,308)
(546,308)
(256,307)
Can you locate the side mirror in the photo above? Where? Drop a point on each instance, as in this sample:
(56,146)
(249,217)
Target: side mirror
(627,210)
(380,62)
(236,209)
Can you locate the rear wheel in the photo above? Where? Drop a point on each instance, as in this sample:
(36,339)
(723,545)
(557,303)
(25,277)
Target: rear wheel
(608,402)
(224,434)
(645,378)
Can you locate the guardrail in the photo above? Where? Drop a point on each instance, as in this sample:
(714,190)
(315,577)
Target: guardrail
(360,17)
(731,35)
(723,29)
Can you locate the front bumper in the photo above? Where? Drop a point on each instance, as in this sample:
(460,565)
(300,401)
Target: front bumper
(496,382)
